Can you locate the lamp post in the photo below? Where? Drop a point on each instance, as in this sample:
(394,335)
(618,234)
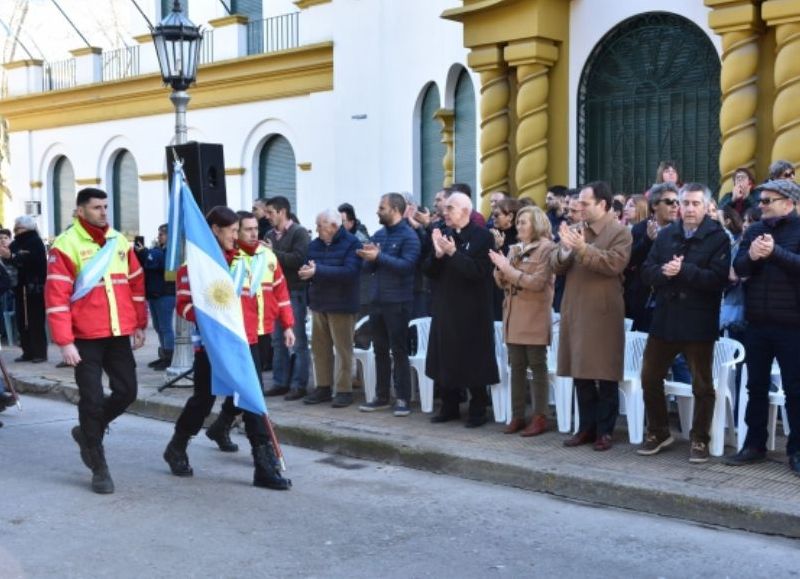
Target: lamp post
(177,41)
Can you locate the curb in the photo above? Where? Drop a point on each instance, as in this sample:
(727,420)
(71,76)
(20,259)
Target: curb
(559,480)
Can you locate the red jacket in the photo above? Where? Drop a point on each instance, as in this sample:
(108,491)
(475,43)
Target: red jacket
(185,308)
(274,289)
(95,315)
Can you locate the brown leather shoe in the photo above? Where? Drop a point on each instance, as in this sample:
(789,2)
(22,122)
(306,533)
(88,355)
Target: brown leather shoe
(537,426)
(580,438)
(515,425)
(603,443)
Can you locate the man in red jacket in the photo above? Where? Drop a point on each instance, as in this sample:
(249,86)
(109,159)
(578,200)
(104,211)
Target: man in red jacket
(94,299)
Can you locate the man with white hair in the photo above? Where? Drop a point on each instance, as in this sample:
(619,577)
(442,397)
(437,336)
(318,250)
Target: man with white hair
(27,253)
(461,343)
(333,271)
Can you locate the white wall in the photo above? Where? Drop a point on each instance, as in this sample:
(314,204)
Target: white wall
(380,67)
(590,20)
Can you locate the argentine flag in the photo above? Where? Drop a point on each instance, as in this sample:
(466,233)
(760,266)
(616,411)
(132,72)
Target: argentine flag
(216,304)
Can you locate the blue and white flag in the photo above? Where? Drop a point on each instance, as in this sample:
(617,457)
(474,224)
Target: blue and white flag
(217,307)
(174,224)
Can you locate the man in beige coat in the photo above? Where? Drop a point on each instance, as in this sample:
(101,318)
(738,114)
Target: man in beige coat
(591,345)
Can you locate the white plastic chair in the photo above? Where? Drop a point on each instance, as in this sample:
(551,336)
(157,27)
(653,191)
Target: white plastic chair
(417,362)
(777,400)
(631,385)
(561,386)
(366,360)
(501,392)
(727,353)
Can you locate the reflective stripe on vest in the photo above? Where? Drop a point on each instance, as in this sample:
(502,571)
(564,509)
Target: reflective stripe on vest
(267,265)
(78,245)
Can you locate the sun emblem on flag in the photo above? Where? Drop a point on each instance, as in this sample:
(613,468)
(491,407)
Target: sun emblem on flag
(220,294)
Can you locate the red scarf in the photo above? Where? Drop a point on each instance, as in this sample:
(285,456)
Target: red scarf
(98,234)
(249,248)
(230,255)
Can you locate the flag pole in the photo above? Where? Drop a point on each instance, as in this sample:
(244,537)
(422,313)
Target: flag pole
(10,384)
(274,439)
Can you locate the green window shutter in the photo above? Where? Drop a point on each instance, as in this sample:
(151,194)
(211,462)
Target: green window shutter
(63,194)
(166,7)
(431,149)
(277,170)
(249,8)
(465,133)
(125,191)
(650,91)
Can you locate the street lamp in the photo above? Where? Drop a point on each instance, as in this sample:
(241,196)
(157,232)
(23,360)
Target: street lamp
(177,41)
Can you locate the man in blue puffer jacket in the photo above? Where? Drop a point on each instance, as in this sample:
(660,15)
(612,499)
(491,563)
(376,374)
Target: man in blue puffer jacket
(333,271)
(391,258)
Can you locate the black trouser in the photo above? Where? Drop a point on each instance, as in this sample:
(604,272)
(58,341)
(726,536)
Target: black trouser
(30,323)
(265,353)
(478,400)
(199,405)
(389,325)
(114,356)
(598,405)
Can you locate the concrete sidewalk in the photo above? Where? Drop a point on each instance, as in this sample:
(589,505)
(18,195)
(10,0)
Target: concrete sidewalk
(764,498)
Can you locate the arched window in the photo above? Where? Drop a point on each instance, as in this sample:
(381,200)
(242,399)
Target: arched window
(465,132)
(63,194)
(650,91)
(125,194)
(277,170)
(431,148)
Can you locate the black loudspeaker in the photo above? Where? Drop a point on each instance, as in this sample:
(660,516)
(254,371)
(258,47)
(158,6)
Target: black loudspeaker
(204,168)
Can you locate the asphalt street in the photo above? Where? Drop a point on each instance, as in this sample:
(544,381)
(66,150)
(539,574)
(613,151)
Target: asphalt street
(343,518)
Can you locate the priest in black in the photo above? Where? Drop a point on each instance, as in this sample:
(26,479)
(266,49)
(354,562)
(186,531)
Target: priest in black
(461,349)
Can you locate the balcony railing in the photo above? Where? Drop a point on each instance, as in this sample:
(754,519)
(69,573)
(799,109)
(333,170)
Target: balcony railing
(58,75)
(121,63)
(273,34)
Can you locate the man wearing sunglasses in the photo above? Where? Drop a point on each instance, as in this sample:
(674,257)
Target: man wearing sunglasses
(769,260)
(663,201)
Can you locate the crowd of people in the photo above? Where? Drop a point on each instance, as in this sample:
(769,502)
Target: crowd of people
(682,267)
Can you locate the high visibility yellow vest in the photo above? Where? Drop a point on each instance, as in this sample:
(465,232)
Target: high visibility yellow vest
(78,245)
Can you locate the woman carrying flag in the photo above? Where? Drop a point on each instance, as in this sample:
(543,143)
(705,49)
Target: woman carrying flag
(224,224)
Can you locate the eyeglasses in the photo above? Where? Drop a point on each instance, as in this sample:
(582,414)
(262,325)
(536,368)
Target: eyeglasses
(768,200)
(670,202)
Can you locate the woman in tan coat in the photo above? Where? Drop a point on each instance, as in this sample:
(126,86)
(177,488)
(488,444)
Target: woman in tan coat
(526,277)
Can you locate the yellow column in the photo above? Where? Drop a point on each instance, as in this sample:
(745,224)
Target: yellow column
(738,25)
(784,15)
(447,118)
(532,59)
(495,121)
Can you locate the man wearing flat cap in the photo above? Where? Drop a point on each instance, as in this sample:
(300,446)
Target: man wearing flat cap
(769,260)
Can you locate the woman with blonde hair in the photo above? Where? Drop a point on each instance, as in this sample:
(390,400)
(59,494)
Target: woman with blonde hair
(527,278)
(636,209)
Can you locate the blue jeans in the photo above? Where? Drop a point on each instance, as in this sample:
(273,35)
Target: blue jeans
(389,325)
(162,311)
(763,343)
(286,367)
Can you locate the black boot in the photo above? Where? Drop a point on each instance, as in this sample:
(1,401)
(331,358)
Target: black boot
(101,478)
(79,437)
(267,474)
(164,362)
(176,457)
(220,432)
(155,363)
